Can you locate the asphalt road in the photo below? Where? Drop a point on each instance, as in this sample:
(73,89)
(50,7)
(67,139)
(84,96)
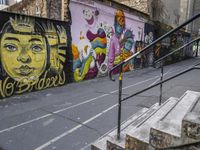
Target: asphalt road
(71,117)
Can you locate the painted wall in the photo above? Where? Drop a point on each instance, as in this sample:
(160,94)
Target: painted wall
(35,54)
(102,36)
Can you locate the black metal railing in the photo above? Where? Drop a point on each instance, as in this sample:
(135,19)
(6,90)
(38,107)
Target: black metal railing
(120,66)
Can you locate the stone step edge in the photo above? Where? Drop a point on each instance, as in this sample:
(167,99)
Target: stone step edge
(168,127)
(100,143)
(122,142)
(175,100)
(188,92)
(168,130)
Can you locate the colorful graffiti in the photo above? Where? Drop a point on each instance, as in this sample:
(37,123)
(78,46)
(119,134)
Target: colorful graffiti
(101,39)
(90,52)
(89,55)
(115,45)
(33,55)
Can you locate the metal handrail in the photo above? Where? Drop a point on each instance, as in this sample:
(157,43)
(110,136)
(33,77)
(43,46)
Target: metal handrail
(196,66)
(153,43)
(120,66)
(178,49)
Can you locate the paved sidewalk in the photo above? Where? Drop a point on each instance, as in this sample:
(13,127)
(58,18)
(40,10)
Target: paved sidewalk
(72,116)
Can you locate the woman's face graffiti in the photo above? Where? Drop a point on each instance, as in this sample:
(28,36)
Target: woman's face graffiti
(23,56)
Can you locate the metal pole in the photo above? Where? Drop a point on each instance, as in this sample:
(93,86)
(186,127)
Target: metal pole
(119,102)
(197,48)
(161,78)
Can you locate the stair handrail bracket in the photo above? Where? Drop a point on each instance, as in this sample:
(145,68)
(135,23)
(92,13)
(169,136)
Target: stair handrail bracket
(120,68)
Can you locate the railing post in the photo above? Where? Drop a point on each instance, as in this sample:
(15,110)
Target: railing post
(119,102)
(161,78)
(197,48)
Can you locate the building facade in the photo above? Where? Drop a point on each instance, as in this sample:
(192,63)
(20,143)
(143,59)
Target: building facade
(140,5)
(57,9)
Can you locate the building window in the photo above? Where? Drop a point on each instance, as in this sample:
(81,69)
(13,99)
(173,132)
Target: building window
(3,2)
(37,10)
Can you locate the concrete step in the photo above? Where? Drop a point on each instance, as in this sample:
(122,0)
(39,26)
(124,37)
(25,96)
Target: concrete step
(112,143)
(191,128)
(102,143)
(167,132)
(138,137)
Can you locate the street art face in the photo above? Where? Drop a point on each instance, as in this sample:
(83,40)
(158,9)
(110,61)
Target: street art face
(33,55)
(23,56)
(91,17)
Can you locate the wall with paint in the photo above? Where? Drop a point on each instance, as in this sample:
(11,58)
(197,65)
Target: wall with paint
(102,36)
(35,54)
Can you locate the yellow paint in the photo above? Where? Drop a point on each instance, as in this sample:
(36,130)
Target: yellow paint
(23,56)
(7,87)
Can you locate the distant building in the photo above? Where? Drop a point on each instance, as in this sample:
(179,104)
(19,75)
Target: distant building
(57,9)
(170,12)
(141,5)
(3,4)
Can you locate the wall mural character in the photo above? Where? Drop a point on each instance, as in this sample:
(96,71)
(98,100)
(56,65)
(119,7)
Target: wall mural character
(33,55)
(91,17)
(139,60)
(115,45)
(25,48)
(127,44)
(105,41)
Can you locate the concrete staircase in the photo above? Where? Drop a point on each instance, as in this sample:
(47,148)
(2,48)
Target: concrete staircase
(173,125)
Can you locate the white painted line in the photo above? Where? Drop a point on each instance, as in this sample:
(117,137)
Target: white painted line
(50,114)
(24,123)
(73,106)
(73,129)
(140,82)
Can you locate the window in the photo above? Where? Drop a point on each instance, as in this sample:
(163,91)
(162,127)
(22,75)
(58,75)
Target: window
(3,2)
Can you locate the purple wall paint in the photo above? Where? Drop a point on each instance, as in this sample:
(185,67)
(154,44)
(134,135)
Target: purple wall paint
(98,19)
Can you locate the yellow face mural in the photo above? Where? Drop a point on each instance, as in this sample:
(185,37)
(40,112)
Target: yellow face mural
(23,56)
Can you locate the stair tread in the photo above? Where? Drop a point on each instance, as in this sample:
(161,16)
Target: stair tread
(172,122)
(184,105)
(142,132)
(101,142)
(135,123)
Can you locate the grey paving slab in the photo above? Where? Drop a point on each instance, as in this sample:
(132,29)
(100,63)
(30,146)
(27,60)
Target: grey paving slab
(21,108)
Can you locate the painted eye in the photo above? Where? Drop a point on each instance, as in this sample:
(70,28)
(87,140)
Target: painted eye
(10,47)
(36,48)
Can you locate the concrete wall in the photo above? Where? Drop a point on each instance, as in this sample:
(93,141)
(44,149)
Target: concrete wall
(102,36)
(35,54)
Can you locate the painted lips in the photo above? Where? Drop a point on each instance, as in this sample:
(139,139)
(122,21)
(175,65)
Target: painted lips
(24,70)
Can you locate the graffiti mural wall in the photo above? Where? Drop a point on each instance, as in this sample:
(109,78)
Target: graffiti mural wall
(102,37)
(34,54)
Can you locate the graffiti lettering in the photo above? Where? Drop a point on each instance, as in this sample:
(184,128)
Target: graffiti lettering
(7,87)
